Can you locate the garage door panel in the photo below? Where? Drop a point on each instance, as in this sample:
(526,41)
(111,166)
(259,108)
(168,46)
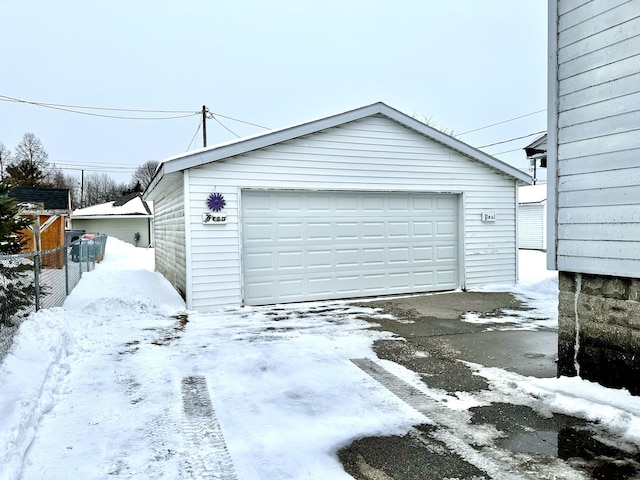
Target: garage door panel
(318,230)
(259,262)
(346,258)
(320,259)
(290,231)
(373,256)
(422,229)
(446,228)
(399,230)
(373,230)
(322,245)
(399,255)
(446,252)
(290,260)
(423,254)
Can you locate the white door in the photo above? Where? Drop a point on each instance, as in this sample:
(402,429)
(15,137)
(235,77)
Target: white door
(300,246)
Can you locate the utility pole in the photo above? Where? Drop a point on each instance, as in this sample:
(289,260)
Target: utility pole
(204,125)
(82,188)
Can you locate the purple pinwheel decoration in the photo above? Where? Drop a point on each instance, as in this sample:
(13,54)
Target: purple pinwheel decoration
(216,202)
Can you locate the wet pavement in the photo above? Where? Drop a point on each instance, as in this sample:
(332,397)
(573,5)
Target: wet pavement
(499,440)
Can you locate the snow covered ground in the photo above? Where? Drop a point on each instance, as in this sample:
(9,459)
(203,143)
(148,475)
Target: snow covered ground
(123,382)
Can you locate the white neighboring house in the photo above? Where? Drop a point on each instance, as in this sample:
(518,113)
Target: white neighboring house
(366,202)
(532,217)
(129,218)
(536,153)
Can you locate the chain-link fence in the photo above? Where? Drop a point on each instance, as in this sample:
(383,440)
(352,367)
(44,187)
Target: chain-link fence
(36,280)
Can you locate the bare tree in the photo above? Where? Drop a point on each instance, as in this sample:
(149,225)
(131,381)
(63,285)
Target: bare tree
(144,174)
(57,179)
(5,159)
(101,188)
(30,162)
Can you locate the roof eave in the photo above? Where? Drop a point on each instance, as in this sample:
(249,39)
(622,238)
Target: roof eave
(238,147)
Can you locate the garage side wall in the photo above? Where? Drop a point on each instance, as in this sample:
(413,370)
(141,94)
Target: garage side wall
(170,243)
(121,228)
(372,154)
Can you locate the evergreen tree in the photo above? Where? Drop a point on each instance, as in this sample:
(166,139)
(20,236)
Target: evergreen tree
(17,289)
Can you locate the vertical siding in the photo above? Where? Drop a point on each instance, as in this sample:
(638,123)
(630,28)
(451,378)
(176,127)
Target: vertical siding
(170,245)
(373,154)
(598,137)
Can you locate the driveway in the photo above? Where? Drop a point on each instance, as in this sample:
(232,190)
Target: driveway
(445,339)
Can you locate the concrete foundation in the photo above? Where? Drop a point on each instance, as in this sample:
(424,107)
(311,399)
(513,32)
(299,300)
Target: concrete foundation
(599,329)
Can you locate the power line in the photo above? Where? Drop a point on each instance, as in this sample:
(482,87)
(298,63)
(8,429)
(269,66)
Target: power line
(504,121)
(84,107)
(224,126)
(4,98)
(512,139)
(240,121)
(194,136)
(76,109)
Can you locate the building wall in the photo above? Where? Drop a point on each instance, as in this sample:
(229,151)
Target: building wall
(599,329)
(595,132)
(372,154)
(121,228)
(51,237)
(170,241)
(594,202)
(531,226)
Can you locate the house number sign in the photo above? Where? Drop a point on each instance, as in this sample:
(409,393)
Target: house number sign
(216,216)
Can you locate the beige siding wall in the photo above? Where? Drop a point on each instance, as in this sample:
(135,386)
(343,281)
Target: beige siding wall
(373,154)
(121,228)
(598,137)
(170,243)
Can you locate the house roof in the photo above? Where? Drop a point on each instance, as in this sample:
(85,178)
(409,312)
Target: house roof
(240,146)
(532,193)
(131,205)
(537,148)
(51,198)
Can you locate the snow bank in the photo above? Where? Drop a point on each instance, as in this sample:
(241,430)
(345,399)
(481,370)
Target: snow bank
(31,380)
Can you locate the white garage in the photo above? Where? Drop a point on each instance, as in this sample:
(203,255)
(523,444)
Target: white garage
(363,203)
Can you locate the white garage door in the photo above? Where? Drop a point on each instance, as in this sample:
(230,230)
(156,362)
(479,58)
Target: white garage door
(300,246)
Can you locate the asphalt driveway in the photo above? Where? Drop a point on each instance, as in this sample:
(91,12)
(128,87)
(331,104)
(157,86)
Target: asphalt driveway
(433,340)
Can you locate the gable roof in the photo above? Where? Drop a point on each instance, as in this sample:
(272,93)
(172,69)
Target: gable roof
(532,193)
(51,198)
(243,145)
(537,148)
(131,205)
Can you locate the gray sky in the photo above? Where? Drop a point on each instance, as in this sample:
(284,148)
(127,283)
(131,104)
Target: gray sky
(463,64)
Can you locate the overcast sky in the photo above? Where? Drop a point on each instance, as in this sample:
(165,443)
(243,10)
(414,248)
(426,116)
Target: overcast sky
(463,64)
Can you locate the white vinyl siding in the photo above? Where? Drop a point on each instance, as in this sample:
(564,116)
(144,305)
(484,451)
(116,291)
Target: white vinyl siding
(531,226)
(170,244)
(122,228)
(597,133)
(371,154)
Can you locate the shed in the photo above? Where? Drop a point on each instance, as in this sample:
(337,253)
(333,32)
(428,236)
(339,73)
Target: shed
(593,143)
(532,217)
(51,208)
(129,218)
(363,203)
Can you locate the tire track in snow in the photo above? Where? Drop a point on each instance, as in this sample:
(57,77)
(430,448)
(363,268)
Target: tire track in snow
(208,456)
(441,416)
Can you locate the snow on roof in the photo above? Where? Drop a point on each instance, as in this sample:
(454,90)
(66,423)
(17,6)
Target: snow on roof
(532,193)
(135,206)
